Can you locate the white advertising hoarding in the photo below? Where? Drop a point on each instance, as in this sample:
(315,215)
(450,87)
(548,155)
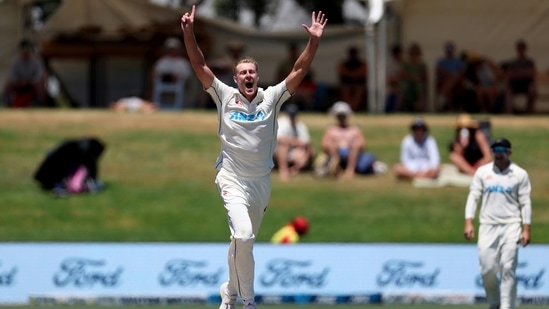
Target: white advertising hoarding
(196,270)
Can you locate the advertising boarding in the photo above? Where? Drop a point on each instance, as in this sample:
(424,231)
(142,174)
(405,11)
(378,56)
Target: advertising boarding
(165,272)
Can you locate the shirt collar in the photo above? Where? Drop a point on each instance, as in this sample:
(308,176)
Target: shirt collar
(507,169)
(258,97)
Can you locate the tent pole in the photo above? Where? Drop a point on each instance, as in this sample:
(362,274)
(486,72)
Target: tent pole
(382,67)
(372,65)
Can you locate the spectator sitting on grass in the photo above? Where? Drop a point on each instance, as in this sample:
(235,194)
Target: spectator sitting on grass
(294,152)
(133,104)
(344,148)
(419,156)
(470,149)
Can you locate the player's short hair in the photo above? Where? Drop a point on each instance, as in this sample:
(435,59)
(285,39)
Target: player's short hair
(246,59)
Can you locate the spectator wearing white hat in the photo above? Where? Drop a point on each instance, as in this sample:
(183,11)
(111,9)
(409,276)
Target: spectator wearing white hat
(344,148)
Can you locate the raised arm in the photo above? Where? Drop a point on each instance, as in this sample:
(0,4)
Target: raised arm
(196,57)
(303,62)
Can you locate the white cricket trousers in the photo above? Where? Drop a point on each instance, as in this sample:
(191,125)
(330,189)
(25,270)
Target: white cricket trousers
(245,200)
(498,249)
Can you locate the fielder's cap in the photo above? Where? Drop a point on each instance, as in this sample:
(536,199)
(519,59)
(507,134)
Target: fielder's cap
(300,224)
(292,109)
(341,108)
(501,142)
(419,123)
(465,121)
(172,43)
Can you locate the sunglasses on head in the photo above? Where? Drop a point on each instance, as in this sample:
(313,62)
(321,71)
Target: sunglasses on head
(500,149)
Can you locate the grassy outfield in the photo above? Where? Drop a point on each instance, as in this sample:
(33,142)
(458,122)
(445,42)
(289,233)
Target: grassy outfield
(158,169)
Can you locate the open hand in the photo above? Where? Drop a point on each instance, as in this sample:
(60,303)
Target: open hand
(318,21)
(187,19)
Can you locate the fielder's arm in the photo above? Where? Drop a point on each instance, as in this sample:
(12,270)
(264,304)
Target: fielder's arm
(475,193)
(525,209)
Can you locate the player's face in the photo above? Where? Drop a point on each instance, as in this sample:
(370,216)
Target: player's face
(501,154)
(246,79)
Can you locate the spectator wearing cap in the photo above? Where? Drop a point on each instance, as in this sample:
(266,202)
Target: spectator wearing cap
(419,155)
(450,70)
(25,83)
(521,78)
(470,148)
(171,68)
(294,152)
(344,148)
(291,232)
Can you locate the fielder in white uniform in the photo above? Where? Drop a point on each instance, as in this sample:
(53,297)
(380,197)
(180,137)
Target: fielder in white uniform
(247,130)
(505,218)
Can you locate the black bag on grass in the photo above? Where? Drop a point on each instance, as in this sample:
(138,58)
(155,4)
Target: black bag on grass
(71,167)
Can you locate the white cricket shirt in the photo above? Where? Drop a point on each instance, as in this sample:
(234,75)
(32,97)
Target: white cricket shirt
(247,130)
(419,157)
(505,195)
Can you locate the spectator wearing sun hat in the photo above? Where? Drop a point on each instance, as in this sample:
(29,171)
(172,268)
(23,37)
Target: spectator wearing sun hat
(419,155)
(470,148)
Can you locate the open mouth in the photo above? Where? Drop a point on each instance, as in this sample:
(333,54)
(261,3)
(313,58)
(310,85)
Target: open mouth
(249,85)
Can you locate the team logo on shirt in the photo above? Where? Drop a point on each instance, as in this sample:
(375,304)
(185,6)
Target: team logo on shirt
(499,189)
(241,116)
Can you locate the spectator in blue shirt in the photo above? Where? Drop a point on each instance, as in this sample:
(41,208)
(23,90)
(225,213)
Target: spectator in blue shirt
(449,78)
